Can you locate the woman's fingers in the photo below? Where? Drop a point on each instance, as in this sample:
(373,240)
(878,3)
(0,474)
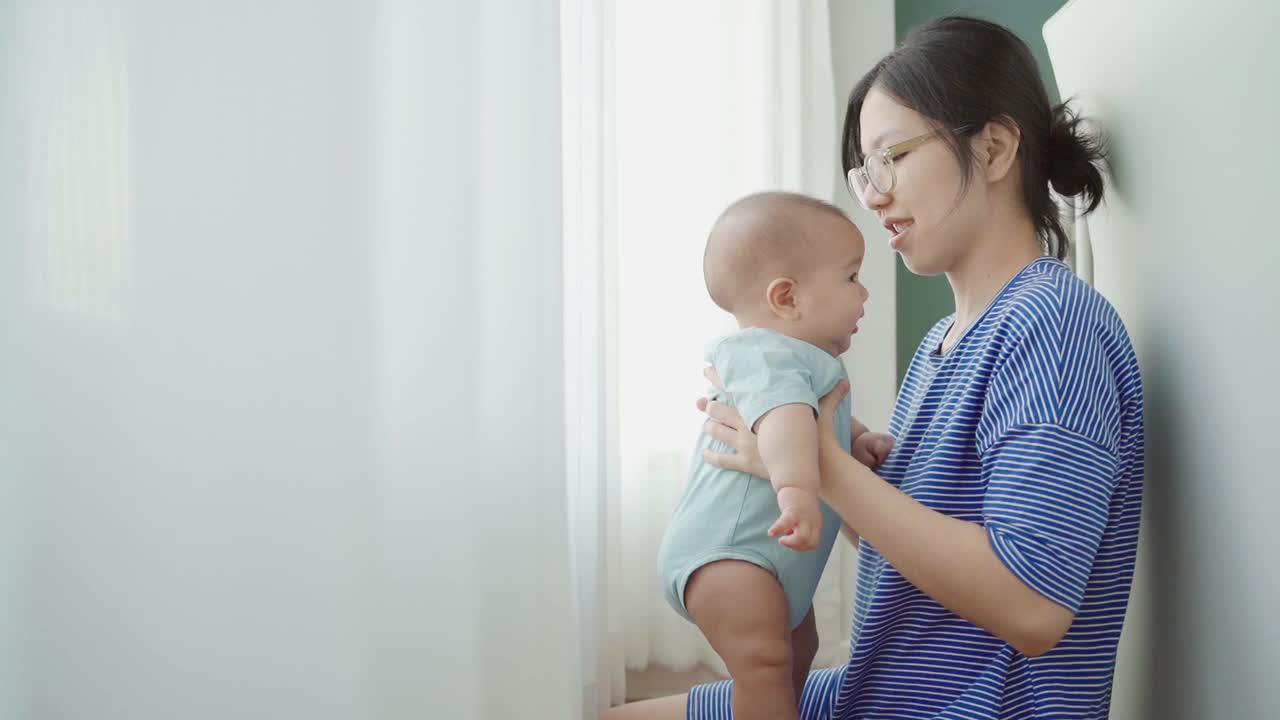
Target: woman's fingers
(827,405)
(725,424)
(827,413)
(727,461)
(713,377)
(724,414)
(720,432)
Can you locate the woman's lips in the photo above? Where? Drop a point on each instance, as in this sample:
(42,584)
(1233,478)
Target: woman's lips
(899,229)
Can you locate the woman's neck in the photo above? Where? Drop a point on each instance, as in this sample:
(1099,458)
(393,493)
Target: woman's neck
(1001,253)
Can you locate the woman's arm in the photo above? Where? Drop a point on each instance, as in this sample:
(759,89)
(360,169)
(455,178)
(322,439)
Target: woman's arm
(949,559)
(849,534)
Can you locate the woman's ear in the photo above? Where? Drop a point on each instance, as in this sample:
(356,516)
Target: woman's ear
(1001,138)
(781,297)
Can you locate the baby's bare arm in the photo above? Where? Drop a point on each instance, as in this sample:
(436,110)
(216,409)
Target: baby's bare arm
(858,429)
(787,438)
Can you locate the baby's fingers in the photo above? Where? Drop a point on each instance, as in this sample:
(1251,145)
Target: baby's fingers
(884,446)
(864,455)
(786,525)
(802,539)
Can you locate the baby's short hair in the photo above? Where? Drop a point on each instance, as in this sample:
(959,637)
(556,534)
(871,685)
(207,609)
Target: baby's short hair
(758,238)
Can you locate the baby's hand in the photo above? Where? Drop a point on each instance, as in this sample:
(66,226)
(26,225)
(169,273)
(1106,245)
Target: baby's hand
(872,448)
(800,524)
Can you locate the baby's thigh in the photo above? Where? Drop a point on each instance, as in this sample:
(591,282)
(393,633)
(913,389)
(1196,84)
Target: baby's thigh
(742,611)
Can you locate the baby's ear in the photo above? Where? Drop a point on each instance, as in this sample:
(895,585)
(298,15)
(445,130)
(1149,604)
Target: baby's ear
(781,297)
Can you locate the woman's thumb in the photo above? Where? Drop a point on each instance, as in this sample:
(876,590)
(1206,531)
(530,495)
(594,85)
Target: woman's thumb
(837,393)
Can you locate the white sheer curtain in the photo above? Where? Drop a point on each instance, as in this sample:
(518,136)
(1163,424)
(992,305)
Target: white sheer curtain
(479,621)
(281,288)
(713,100)
(590,287)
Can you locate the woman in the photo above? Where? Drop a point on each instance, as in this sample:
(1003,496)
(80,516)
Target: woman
(998,539)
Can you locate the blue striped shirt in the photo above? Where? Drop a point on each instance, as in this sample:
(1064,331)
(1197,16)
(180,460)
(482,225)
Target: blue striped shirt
(1030,426)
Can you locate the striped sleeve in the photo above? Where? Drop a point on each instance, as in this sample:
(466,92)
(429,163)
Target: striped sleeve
(1046,507)
(713,701)
(1048,469)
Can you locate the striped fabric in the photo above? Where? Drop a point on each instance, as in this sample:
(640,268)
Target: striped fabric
(1031,426)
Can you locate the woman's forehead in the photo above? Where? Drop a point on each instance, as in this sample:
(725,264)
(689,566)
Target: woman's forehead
(883,121)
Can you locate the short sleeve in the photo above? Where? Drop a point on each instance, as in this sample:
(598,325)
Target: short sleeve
(762,372)
(1046,507)
(1047,465)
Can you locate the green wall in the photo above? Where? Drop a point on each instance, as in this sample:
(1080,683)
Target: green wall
(922,301)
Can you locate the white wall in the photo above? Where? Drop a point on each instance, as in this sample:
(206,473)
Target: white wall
(1186,249)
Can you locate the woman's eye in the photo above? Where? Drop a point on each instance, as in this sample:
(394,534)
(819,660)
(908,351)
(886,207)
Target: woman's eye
(901,155)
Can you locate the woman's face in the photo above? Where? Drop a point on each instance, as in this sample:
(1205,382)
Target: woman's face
(928,223)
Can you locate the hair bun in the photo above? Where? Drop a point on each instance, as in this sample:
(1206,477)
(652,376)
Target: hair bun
(1072,156)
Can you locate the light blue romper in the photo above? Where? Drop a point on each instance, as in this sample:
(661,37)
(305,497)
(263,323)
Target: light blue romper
(726,514)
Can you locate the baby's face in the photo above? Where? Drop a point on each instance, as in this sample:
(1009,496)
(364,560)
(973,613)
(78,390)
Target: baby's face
(832,294)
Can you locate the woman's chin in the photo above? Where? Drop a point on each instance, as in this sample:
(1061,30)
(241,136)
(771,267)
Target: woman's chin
(919,265)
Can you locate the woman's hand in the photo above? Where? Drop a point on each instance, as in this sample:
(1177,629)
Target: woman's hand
(725,424)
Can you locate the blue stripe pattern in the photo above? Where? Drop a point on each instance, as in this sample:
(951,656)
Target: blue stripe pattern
(1031,426)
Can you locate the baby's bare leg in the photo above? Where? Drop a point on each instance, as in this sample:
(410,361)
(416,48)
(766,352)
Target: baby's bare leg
(742,611)
(804,646)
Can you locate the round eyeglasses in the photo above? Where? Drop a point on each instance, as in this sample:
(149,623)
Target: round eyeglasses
(877,173)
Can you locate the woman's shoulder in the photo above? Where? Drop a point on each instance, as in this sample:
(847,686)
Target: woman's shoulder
(1056,318)
(1049,298)
(1058,340)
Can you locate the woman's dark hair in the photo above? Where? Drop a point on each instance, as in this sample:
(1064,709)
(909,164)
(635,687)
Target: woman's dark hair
(960,73)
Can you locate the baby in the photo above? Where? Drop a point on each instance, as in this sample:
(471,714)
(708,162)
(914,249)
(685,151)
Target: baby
(786,266)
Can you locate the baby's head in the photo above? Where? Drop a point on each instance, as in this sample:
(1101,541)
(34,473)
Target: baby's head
(789,263)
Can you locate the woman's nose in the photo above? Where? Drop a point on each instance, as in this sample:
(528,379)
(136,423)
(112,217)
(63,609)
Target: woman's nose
(873,199)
